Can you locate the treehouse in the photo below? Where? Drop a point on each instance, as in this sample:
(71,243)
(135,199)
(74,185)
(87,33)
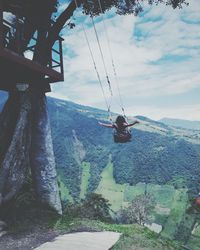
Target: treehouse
(17,65)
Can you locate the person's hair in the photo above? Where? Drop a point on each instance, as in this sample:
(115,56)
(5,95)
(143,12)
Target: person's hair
(120,120)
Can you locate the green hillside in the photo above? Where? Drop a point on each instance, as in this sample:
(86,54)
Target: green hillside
(110,189)
(161,160)
(166,159)
(194,241)
(85,179)
(171,203)
(156,155)
(133,236)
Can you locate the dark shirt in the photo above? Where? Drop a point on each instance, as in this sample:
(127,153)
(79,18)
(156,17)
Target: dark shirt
(121,129)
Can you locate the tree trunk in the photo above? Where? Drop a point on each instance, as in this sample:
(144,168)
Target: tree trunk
(54,31)
(42,155)
(15,154)
(25,139)
(25,135)
(8,118)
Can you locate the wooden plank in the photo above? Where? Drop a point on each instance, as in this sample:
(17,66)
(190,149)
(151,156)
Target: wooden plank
(57,62)
(56,51)
(30,65)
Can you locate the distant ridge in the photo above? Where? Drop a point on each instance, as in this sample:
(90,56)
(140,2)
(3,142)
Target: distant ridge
(99,113)
(181,123)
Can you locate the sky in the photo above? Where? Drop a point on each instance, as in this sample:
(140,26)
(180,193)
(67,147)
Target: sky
(156,57)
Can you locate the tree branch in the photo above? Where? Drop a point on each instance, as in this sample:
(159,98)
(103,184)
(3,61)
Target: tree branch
(60,22)
(45,45)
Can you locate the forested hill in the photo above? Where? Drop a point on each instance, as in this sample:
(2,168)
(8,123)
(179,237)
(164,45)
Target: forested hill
(158,153)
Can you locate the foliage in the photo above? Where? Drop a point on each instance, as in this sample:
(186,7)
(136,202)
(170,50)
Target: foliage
(171,203)
(65,120)
(94,206)
(194,241)
(133,236)
(149,158)
(177,213)
(184,229)
(139,210)
(91,6)
(124,7)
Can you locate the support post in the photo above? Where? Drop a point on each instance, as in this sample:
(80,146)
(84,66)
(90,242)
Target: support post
(61,56)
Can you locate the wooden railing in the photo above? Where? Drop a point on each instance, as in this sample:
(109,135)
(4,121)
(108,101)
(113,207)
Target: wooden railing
(14,33)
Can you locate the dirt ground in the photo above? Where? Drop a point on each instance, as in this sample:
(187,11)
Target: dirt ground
(27,240)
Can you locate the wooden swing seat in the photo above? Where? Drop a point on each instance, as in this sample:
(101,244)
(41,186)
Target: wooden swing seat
(122,138)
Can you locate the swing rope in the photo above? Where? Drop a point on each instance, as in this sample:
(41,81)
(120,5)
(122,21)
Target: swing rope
(102,55)
(112,60)
(96,70)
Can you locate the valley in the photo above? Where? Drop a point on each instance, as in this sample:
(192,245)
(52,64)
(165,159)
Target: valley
(161,159)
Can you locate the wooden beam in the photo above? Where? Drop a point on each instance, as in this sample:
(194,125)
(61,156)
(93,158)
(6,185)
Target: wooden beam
(13,57)
(61,58)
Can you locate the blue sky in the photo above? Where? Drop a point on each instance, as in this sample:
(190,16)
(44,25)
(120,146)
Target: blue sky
(157,58)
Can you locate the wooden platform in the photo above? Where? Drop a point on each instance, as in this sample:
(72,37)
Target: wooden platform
(17,69)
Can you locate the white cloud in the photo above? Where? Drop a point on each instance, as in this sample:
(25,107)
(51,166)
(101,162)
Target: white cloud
(139,66)
(187,112)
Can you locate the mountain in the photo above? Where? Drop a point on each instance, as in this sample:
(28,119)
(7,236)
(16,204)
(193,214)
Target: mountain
(162,159)
(195,125)
(157,154)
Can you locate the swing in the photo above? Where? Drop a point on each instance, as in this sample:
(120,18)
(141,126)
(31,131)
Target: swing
(119,135)
(122,137)
(122,133)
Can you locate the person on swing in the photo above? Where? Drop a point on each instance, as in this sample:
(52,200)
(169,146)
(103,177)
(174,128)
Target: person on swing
(122,133)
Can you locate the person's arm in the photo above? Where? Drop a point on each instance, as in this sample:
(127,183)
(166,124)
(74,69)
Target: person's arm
(131,124)
(106,125)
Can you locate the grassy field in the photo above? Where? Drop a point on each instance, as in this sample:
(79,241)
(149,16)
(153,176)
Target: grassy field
(177,211)
(85,179)
(194,242)
(171,203)
(170,207)
(110,189)
(64,192)
(163,194)
(133,236)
